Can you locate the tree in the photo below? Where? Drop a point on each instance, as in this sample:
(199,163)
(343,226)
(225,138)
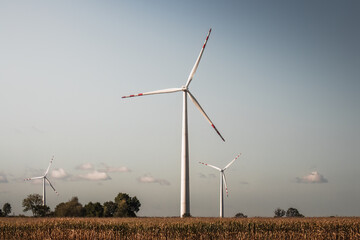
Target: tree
(93,210)
(279,212)
(293,212)
(6,209)
(109,208)
(42,210)
(71,208)
(240,215)
(122,209)
(33,202)
(126,205)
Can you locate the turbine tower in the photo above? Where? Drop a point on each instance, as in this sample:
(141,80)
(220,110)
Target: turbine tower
(185,185)
(222,182)
(44,178)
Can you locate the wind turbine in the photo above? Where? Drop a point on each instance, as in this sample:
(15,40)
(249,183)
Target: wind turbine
(44,178)
(185,185)
(222,182)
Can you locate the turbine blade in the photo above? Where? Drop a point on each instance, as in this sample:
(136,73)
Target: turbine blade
(203,113)
(210,166)
(51,186)
(169,90)
(193,71)
(33,178)
(232,161)
(47,170)
(226,189)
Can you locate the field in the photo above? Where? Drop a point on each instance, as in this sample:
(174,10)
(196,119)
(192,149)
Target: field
(176,228)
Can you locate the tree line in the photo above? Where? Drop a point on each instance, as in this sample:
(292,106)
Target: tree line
(291,212)
(122,206)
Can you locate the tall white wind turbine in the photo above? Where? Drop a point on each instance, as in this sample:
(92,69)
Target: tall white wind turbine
(185,185)
(44,178)
(222,182)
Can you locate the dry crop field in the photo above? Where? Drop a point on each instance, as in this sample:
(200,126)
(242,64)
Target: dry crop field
(176,228)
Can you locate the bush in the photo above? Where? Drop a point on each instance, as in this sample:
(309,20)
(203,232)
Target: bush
(240,215)
(293,212)
(279,212)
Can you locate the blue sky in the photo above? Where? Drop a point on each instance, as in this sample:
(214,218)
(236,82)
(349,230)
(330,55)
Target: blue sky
(280,80)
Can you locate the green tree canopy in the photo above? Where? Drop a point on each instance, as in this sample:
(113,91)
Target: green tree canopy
(109,208)
(126,206)
(71,208)
(34,202)
(123,206)
(240,215)
(93,210)
(6,209)
(279,212)
(293,212)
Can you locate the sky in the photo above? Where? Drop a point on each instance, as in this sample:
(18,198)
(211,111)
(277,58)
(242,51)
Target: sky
(279,79)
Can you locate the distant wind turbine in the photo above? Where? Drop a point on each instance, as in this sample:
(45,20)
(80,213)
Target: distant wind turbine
(44,178)
(185,185)
(222,182)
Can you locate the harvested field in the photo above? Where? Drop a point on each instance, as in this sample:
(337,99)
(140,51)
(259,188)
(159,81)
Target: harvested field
(177,228)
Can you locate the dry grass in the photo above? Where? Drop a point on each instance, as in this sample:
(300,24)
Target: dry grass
(176,228)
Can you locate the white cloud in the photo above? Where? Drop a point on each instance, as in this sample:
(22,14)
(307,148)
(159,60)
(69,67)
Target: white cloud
(149,179)
(85,166)
(3,178)
(108,169)
(59,173)
(95,176)
(313,177)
